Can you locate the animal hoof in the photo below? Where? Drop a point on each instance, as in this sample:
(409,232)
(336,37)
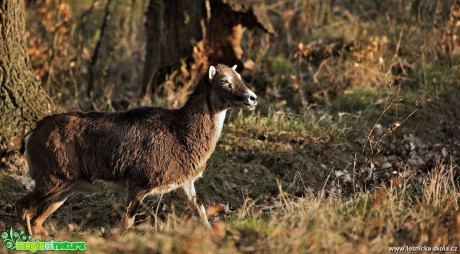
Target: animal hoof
(207,225)
(218,228)
(39,231)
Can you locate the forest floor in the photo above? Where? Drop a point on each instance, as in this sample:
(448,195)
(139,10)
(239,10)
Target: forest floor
(306,182)
(363,166)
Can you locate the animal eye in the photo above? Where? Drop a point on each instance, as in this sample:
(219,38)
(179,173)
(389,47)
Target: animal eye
(223,81)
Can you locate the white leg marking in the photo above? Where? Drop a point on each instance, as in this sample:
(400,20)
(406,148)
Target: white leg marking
(190,195)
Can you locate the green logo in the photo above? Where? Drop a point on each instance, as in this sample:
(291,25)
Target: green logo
(21,242)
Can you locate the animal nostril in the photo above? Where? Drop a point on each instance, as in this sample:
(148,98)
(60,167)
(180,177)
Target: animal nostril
(252,98)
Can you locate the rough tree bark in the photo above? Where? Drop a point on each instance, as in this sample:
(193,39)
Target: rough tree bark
(172,27)
(22,99)
(228,20)
(175,26)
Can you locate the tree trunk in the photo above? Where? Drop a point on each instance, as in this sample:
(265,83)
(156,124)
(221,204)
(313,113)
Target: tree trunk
(22,99)
(174,27)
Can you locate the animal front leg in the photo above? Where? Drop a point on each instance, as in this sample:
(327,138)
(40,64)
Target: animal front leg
(133,201)
(188,189)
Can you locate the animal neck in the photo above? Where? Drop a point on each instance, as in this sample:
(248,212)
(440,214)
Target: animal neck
(202,125)
(201,115)
(201,102)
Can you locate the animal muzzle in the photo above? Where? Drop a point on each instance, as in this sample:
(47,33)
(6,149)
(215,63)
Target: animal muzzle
(250,99)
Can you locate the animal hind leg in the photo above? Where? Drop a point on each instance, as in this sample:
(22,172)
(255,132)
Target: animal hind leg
(51,205)
(36,207)
(189,193)
(26,208)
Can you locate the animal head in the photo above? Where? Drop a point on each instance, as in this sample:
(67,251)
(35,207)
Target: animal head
(229,90)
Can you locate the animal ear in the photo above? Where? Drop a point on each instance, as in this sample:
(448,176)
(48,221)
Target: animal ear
(212,72)
(234,68)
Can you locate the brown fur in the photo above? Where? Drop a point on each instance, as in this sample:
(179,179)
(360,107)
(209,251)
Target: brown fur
(144,150)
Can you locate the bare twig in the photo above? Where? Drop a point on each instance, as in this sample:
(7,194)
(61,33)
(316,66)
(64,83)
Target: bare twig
(396,124)
(387,106)
(156,213)
(88,11)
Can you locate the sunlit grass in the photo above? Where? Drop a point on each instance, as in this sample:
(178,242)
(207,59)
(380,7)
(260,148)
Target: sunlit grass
(368,222)
(391,56)
(311,123)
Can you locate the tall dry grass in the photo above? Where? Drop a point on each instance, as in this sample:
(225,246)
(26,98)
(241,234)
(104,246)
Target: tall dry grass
(406,214)
(337,56)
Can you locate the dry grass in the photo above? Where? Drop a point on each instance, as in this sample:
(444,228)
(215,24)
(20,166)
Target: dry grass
(294,173)
(406,214)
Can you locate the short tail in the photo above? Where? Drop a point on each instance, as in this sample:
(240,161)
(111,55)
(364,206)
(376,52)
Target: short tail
(24,140)
(23,146)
